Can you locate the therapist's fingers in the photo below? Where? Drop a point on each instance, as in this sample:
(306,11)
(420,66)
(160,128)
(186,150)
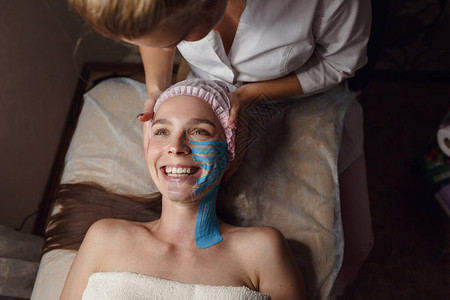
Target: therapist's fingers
(148,111)
(235,103)
(234,113)
(147,114)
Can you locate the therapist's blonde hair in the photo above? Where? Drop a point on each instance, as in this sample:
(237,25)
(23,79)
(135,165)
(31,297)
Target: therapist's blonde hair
(129,19)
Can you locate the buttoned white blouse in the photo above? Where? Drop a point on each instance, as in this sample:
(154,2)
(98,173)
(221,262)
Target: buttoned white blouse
(322,41)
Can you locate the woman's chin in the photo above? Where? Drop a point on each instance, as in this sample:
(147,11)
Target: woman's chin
(181,188)
(183,193)
(180,192)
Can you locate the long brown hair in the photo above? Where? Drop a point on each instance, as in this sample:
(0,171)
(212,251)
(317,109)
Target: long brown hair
(81,204)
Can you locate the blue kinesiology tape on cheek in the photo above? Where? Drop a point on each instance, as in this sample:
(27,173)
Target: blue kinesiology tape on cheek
(213,174)
(209,179)
(208,167)
(207,232)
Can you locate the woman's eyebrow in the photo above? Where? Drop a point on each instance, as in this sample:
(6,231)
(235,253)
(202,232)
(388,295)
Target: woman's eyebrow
(161,121)
(193,121)
(199,120)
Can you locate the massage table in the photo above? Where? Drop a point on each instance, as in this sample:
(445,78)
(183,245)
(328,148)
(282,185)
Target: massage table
(288,178)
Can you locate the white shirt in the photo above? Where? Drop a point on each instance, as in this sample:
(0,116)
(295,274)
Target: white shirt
(322,41)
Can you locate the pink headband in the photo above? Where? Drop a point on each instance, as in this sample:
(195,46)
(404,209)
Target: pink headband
(212,92)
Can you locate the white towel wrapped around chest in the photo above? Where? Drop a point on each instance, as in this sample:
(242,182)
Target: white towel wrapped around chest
(131,286)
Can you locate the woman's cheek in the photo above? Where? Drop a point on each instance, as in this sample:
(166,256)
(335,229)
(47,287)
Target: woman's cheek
(152,156)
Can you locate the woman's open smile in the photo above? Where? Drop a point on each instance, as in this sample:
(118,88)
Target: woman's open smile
(180,172)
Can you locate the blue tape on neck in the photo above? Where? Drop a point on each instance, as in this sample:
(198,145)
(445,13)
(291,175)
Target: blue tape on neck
(207,232)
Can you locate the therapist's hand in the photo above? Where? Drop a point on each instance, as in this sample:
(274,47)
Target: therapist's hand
(239,99)
(250,94)
(239,102)
(148,108)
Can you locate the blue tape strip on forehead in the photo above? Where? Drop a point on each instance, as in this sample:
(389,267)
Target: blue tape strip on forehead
(207,232)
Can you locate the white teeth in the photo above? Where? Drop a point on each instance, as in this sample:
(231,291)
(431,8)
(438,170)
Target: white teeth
(178,172)
(176,175)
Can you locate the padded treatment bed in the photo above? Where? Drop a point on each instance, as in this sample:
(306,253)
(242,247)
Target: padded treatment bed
(288,179)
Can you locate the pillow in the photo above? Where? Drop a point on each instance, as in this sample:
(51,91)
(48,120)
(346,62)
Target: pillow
(288,178)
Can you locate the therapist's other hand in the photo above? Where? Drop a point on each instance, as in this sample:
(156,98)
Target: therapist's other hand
(250,94)
(238,121)
(148,108)
(235,102)
(239,99)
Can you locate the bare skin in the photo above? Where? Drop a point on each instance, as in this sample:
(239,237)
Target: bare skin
(257,257)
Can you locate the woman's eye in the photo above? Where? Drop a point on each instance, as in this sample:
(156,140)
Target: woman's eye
(200,132)
(160,132)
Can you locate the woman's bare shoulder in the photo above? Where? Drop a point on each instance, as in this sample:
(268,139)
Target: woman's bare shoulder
(255,236)
(266,244)
(266,256)
(108,226)
(256,244)
(109,231)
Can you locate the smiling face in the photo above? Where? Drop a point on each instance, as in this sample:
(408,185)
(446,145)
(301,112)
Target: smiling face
(169,154)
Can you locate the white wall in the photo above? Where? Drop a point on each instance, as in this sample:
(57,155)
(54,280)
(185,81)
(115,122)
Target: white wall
(37,81)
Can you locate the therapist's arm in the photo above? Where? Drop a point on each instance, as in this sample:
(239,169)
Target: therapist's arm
(158,66)
(252,93)
(341,29)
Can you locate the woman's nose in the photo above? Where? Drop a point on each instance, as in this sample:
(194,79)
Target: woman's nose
(179,145)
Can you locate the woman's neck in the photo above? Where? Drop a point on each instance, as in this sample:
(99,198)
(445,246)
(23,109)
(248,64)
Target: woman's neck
(177,223)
